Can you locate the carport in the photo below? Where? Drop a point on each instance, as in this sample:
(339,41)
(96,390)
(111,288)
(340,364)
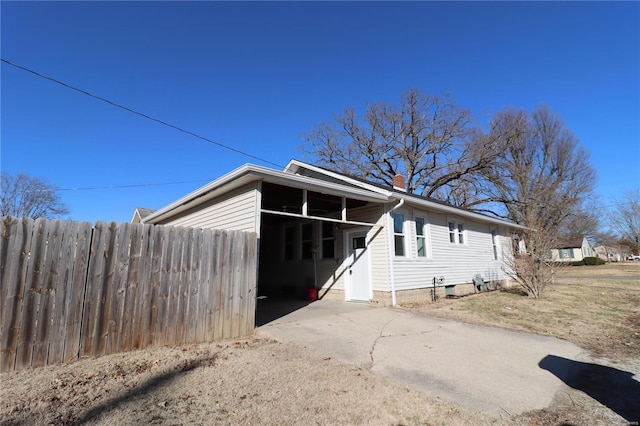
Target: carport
(302,244)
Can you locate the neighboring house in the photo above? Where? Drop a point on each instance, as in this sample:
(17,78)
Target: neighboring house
(607,253)
(572,250)
(351,239)
(140,214)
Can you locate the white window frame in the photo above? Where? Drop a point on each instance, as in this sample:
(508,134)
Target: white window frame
(402,234)
(302,240)
(425,237)
(332,237)
(291,243)
(459,232)
(495,243)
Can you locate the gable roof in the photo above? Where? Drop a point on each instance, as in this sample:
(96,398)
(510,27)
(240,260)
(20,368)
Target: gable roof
(571,242)
(250,173)
(140,213)
(306,176)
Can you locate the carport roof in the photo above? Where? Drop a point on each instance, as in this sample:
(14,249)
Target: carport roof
(250,173)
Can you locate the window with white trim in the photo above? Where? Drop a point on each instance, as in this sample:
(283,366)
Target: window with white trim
(421,237)
(494,242)
(328,241)
(289,243)
(306,240)
(456,232)
(398,234)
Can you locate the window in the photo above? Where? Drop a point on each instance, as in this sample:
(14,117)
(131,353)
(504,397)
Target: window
(359,243)
(398,233)
(289,243)
(421,237)
(456,233)
(307,240)
(328,241)
(494,242)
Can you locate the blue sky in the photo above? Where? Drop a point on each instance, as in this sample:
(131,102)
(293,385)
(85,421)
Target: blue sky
(256,76)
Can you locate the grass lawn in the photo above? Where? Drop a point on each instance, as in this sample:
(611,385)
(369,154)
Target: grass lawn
(595,307)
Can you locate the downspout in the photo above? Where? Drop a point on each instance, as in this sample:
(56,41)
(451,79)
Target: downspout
(392,252)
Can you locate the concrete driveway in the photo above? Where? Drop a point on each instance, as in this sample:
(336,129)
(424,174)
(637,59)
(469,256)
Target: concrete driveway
(481,368)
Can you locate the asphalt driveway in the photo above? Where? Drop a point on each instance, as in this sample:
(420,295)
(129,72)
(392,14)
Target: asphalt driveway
(486,369)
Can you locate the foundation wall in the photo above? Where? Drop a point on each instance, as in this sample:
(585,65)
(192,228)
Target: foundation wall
(420,295)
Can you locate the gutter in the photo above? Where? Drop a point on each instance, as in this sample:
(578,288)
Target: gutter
(392,250)
(456,211)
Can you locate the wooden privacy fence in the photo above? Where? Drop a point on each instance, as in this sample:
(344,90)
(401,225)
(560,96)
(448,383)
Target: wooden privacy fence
(71,289)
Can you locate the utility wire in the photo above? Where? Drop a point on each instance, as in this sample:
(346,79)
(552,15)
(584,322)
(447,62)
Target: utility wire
(84,92)
(129,186)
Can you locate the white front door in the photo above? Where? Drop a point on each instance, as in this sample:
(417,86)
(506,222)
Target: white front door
(358,282)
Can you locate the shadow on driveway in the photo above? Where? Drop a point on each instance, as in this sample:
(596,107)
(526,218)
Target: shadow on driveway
(616,389)
(272,308)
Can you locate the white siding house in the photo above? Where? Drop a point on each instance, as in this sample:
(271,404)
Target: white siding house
(347,238)
(572,250)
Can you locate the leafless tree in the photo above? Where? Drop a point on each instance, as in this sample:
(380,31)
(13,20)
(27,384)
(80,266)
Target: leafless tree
(25,196)
(583,221)
(540,179)
(540,175)
(533,268)
(624,219)
(427,138)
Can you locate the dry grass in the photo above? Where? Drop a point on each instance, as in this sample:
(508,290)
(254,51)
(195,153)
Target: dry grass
(254,382)
(595,307)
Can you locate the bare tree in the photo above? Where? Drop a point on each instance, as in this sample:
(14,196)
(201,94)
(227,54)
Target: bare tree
(26,196)
(624,219)
(540,175)
(427,138)
(533,268)
(584,221)
(540,178)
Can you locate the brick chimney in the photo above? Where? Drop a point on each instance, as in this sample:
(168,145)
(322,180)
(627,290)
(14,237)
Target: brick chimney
(399,182)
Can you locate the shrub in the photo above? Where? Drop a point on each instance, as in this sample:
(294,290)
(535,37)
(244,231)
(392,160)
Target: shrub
(588,261)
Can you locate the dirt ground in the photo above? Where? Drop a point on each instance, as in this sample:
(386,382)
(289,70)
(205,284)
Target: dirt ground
(262,382)
(251,382)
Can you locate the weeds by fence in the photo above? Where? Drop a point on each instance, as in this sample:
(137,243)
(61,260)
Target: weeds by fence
(71,289)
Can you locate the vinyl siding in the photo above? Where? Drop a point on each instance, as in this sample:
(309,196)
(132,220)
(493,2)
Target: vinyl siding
(233,211)
(457,263)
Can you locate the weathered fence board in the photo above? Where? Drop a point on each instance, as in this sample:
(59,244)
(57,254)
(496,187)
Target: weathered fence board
(77,291)
(221,276)
(69,289)
(31,295)
(18,234)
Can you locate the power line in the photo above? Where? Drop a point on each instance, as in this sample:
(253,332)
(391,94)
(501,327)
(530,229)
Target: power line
(188,132)
(87,188)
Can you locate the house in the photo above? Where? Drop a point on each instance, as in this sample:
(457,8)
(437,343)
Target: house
(572,249)
(608,253)
(347,238)
(140,214)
